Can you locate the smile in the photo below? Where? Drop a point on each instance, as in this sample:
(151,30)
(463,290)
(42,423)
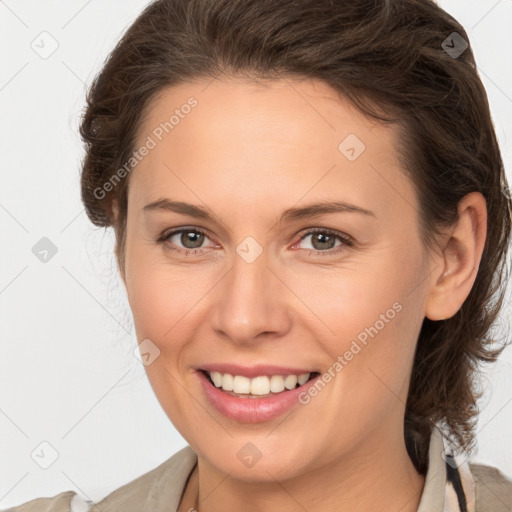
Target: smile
(254,399)
(262,385)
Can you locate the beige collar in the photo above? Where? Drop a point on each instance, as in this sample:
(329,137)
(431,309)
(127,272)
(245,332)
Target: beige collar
(438,493)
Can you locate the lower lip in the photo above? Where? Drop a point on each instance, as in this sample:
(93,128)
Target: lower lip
(252,410)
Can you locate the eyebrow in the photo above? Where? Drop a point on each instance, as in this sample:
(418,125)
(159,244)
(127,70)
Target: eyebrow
(291,214)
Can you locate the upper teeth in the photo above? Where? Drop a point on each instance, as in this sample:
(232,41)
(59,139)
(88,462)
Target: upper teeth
(258,385)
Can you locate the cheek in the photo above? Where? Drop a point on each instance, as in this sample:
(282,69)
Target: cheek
(157,299)
(166,300)
(368,321)
(161,303)
(156,296)
(164,303)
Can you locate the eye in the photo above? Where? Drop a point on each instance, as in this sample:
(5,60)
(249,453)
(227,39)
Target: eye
(323,241)
(185,240)
(189,241)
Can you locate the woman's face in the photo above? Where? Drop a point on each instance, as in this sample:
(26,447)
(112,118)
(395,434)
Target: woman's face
(261,283)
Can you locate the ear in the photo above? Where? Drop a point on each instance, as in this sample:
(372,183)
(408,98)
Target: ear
(459,259)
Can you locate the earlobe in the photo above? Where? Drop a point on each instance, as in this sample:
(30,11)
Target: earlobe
(459,259)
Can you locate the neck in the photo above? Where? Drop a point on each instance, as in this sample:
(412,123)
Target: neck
(378,474)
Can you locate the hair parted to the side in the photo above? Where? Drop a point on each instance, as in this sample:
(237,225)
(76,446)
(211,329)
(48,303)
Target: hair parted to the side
(384,56)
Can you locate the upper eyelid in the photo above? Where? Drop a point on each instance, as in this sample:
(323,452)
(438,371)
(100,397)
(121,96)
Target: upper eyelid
(171,232)
(334,232)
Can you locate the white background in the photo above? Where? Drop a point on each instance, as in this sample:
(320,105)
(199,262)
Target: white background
(68,374)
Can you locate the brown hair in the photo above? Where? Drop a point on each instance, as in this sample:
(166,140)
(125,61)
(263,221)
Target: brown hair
(377,53)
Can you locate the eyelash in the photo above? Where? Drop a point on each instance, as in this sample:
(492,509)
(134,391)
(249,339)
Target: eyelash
(347,241)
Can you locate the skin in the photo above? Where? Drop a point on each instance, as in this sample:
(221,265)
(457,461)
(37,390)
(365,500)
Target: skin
(247,152)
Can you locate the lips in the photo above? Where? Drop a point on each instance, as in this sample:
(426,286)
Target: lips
(258,407)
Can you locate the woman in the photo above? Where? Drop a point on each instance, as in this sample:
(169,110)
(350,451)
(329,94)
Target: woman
(311,225)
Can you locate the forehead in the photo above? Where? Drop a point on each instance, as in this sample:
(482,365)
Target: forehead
(276,139)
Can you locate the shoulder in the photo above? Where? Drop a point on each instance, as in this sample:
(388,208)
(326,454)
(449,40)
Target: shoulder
(157,490)
(493,490)
(59,503)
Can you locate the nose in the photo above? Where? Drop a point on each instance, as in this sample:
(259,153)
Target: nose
(251,302)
